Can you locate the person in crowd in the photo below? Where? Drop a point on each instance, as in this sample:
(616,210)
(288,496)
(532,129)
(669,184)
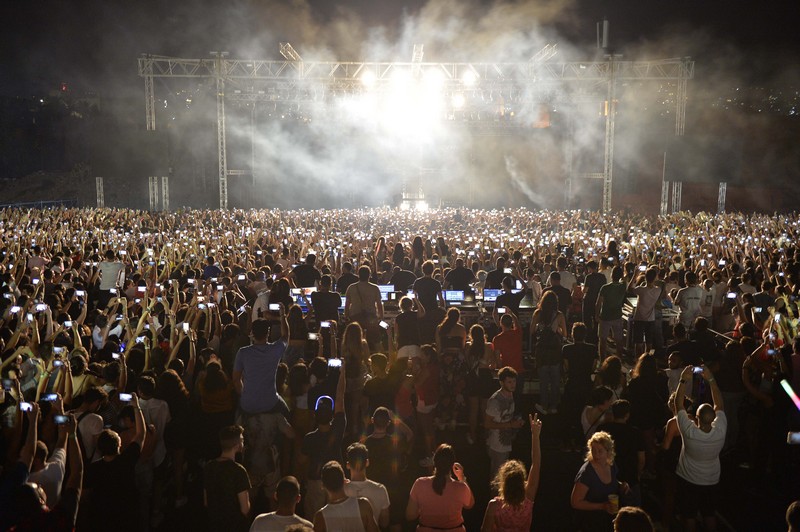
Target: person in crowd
(548,331)
(407,327)
(648,294)
(499,420)
(428,292)
(580,360)
(612,375)
(261,409)
(355,353)
(508,342)
(360,486)
(793,516)
(437,502)
(597,411)
(379,390)
(597,489)
(287,496)
(632,519)
(629,448)
(226,486)
(512,509)
(698,465)
(563,294)
(648,394)
(425,372)
(342,512)
(324,444)
(689,300)
(608,313)
(482,361)
(459,278)
(508,299)
(110,482)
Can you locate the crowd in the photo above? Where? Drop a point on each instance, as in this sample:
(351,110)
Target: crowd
(250,363)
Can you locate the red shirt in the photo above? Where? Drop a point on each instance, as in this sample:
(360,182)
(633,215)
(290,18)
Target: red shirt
(509,344)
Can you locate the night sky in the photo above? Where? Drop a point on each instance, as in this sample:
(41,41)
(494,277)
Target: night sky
(93,44)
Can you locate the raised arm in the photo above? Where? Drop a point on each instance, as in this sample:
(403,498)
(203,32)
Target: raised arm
(716,394)
(532,484)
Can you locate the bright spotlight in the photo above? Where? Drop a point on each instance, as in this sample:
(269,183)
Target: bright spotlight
(469,77)
(401,78)
(434,78)
(458,101)
(368,78)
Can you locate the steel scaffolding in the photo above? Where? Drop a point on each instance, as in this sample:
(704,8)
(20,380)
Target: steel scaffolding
(295,80)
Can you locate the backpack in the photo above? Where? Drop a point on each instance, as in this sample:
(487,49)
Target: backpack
(547,344)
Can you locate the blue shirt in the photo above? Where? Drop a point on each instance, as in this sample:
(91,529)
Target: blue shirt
(259,363)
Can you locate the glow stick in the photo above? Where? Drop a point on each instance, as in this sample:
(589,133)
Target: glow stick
(791,393)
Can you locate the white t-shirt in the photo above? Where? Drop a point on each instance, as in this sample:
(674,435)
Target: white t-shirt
(646,306)
(51,476)
(689,300)
(273,522)
(500,407)
(156,412)
(719,291)
(90,426)
(699,459)
(374,491)
(110,274)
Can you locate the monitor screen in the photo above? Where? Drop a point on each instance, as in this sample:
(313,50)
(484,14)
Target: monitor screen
(490,294)
(386,288)
(344,300)
(453,295)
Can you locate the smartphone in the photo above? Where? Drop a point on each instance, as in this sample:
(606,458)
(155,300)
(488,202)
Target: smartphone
(125,397)
(29,317)
(642,268)
(384,324)
(335,363)
(115,356)
(220,287)
(275,307)
(190,281)
(313,336)
(141,289)
(139,339)
(61,420)
(202,306)
(8,384)
(759,309)
(80,293)
(50,397)
(697,370)
(185,327)
(508,271)
(58,363)
(113,291)
(241,277)
(7,295)
(501,310)
(35,281)
(325,324)
(793,438)
(25,407)
(731,295)
(14,309)
(41,307)
(777,317)
(722,263)
(68,324)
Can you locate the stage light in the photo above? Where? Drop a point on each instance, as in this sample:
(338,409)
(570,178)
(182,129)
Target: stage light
(469,78)
(458,101)
(401,79)
(434,78)
(368,79)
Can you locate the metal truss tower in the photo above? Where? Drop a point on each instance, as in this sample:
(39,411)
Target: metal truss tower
(294,80)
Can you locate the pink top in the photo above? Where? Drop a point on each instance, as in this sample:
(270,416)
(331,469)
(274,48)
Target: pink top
(512,518)
(442,512)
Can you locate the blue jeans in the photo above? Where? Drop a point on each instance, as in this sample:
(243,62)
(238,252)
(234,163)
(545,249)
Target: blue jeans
(549,386)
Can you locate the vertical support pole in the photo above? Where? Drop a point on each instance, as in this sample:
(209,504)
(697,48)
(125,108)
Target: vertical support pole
(723,193)
(680,111)
(153,190)
(676,196)
(149,103)
(664,198)
(569,158)
(165,193)
(253,144)
(221,146)
(101,198)
(611,111)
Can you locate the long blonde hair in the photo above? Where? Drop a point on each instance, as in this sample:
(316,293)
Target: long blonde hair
(604,439)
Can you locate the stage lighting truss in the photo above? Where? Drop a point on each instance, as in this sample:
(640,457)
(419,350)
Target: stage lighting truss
(472,91)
